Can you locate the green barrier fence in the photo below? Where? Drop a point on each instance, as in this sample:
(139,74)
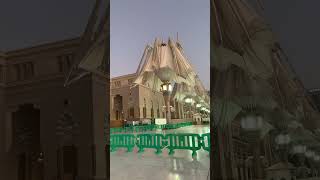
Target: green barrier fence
(183,141)
(122,140)
(145,128)
(205,140)
(155,141)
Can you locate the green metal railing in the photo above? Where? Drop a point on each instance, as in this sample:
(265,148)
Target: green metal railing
(183,141)
(122,141)
(154,141)
(144,128)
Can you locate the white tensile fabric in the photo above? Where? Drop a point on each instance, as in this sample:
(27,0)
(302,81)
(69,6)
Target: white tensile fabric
(241,38)
(93,53)
(166,62)
(95,57)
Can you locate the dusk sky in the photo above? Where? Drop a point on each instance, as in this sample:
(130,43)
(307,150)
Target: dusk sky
(135,23)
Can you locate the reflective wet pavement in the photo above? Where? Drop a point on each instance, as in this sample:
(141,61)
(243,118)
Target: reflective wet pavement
(149,166)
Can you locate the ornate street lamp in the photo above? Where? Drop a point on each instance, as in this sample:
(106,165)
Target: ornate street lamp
(316,160)
(189,102)
(313,161)
(253,123)
(166,89)
(283,141)
(300,151)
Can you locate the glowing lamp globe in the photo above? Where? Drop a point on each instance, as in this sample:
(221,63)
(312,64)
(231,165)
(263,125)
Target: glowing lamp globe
(166,87)
(309,154)
(299,149)
(283,139)
(252,122)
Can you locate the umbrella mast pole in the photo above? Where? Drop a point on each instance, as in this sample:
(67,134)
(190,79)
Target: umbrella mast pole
(167,96)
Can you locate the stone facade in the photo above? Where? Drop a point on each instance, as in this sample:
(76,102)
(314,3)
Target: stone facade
(32,95)
(140,102)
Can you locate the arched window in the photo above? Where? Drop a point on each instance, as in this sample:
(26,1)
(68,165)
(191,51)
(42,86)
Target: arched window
(144,109)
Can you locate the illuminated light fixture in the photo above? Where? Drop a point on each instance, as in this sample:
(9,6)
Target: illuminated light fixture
(198,105)
(188,100)
(203,109)
(283,139)
(299,149)
(309,154)
(166,87)
(252,122)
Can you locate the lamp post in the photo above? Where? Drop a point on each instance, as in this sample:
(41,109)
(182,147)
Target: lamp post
(252,123)
(189,101)
(166,89)
(300,150)
(283,140)
(312,157)
(316,160)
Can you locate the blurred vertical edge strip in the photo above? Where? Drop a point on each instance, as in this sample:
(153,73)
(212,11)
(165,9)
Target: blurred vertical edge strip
(108,93)
(107,131)
(211,90)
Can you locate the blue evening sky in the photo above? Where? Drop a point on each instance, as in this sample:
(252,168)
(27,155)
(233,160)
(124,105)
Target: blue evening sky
(135,23)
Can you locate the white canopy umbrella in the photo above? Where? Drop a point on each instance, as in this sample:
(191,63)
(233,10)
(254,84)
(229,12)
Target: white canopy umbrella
(93,53)
(242,38)
(166,62)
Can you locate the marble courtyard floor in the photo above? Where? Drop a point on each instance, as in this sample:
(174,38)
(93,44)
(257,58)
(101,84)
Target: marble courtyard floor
(149,166)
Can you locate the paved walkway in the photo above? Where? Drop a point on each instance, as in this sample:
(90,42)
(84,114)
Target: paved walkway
(149,166)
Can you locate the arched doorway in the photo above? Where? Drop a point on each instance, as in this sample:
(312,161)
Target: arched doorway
(118,107)
(26,123)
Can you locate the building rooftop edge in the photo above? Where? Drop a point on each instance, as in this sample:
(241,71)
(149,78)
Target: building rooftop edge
(41,46)
(122,76)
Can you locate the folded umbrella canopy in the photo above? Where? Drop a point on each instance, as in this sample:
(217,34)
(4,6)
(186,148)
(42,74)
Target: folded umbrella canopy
(166,62)
(146,75)
(241,38)
(93,54)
